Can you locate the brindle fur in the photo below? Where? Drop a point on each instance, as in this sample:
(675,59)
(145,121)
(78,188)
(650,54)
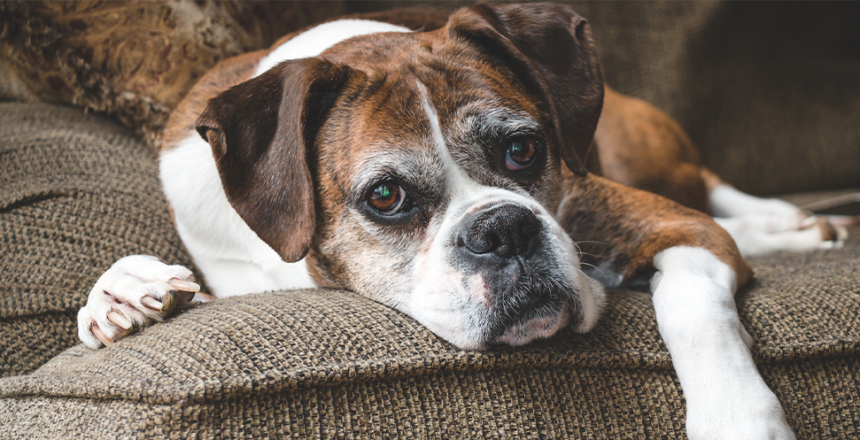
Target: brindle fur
(609,221)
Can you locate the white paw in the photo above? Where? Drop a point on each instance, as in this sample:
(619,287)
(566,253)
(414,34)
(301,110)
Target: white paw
(758,234)
(136,291)
(747,416)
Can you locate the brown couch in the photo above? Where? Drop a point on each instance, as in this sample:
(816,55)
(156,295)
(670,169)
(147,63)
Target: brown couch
(78,191)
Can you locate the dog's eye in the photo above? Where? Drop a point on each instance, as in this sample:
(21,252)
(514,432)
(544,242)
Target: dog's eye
(521,152)
(387,198)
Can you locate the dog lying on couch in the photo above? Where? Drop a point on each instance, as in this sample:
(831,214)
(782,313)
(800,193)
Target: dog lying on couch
(478,177)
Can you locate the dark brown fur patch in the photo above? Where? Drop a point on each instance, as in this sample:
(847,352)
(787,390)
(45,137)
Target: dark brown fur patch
(261,132)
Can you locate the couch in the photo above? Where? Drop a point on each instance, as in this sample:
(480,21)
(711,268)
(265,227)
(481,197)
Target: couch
(80,190)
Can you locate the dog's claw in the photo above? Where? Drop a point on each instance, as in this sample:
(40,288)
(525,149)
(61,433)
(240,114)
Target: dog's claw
(120,320)
(151,303)
(183,285)
(97,332)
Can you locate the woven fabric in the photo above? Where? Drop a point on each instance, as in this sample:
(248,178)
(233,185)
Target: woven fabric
(77,192)
(819,396)
(761,87)
(331,364)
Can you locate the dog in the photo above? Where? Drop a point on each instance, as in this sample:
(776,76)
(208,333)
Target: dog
(449,166)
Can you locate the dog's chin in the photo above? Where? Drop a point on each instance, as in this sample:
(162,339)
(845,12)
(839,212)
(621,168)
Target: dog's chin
(541,327)
(580,312)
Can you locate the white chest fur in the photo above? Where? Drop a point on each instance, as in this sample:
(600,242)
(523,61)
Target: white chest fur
(232,258)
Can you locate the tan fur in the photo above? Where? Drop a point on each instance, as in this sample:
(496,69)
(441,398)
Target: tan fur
(642,147)
(627,227)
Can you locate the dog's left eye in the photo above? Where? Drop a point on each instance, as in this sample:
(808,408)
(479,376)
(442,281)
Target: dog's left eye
(520,152)
(387,198)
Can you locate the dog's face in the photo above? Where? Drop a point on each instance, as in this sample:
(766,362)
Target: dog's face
(424,170)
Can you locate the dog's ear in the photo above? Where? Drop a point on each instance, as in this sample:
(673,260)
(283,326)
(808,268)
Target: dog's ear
(262,133)
(549,49)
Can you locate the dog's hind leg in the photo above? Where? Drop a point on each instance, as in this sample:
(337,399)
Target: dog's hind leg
(760,226)
(640,146)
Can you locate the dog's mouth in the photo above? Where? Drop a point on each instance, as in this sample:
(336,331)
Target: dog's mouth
(541,326)
(506,274)
(534,307)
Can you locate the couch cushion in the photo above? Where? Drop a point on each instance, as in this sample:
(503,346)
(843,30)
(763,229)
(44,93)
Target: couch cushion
(77,192)
(332,364)
(137,59)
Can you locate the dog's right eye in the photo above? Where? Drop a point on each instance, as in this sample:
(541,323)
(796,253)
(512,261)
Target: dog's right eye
(387,198)
(521,152)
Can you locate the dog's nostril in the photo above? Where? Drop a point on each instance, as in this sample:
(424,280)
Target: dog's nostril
(478,240)
(506,231)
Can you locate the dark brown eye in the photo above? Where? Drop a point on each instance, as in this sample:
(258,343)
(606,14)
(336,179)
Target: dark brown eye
(521,153)
(387,198)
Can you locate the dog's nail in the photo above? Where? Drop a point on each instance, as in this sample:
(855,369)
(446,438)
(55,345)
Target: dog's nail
(151,303)
(118,319)
(97,332)
(187,286)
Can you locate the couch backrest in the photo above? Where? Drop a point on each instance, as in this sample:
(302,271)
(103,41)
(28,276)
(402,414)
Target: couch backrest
(770,92)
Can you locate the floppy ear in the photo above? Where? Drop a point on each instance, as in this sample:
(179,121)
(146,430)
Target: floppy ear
(262,133)
(549,49)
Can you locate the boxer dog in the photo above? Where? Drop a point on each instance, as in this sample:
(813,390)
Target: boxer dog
(450,174)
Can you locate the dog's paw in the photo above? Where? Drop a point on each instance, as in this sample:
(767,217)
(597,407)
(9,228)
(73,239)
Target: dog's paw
(136,291)
(749,416)
(758,234)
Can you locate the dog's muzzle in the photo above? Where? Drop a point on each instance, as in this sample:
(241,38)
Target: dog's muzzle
(506,245)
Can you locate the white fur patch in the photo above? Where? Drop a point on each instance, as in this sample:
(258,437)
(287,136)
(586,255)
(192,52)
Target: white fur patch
(760,234)
(319,38)
(727,201)
(726,397)
(121,290)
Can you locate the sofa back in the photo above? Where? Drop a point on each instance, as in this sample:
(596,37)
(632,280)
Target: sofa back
(770,92)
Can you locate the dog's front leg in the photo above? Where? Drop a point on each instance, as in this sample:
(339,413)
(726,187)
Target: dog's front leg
(694,269)
(693,294)
(136,291)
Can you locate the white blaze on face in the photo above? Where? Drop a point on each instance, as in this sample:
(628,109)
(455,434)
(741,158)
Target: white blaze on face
(458,310)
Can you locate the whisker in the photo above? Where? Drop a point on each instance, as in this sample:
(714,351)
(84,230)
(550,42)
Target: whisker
(593,242)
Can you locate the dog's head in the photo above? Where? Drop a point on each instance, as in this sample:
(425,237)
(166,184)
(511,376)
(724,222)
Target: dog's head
(423,170)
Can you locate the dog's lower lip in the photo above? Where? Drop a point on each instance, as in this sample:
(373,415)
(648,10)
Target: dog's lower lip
(541,327)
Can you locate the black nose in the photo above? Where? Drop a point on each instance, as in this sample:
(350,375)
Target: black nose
(507,231)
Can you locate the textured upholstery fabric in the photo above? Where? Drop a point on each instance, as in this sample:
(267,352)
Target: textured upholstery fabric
(137,59)
(768,91)
(77,192)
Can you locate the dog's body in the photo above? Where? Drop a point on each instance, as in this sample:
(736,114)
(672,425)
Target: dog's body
(424,170)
